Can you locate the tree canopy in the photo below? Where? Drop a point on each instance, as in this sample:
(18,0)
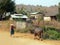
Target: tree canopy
(23,11)
(7,6)
(58,15)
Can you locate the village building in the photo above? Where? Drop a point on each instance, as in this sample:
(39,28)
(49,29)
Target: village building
(51,13)
(35,15)
(50,16)
(20,20)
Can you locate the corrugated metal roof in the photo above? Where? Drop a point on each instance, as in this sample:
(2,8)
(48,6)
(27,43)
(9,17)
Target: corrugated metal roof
(19,16)
(34,13)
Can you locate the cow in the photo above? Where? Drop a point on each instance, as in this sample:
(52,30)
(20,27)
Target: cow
(37,32)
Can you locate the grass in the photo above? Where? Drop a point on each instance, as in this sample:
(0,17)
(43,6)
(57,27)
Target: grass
(49,32)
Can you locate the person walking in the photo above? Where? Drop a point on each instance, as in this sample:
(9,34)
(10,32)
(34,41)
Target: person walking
(12,30)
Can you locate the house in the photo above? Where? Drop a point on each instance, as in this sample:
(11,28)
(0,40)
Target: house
(20,20)
(51,13)
(35,15)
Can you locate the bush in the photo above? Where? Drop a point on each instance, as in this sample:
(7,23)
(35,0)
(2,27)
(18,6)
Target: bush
(51,28)
(52,34)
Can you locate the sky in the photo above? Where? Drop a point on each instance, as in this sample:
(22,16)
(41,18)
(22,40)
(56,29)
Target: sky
(38,2)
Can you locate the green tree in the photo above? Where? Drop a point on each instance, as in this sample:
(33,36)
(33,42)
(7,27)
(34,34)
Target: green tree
(23,11)
(58,15)
(2,4)
(10,7)
(6,6)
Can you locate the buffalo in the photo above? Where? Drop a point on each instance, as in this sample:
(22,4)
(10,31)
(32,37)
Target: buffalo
(37,31)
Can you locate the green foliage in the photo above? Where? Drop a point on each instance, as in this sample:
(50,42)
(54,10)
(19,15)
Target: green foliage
(7,6)
(59,8)
(58,17)
(23,11)
(2,4)
(51,33)
(10,7)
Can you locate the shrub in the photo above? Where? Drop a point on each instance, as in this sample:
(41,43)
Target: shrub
(51,33)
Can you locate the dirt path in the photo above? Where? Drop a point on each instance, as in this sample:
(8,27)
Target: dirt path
(5,39)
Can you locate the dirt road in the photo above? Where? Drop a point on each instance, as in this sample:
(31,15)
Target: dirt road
(5,39)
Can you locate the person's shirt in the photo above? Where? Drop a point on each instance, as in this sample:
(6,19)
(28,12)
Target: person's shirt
(12,27)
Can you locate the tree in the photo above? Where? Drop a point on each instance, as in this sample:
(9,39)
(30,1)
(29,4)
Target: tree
(2,4)
(6,6)
(23,11)
(10,7)
(59,8)
(58,15)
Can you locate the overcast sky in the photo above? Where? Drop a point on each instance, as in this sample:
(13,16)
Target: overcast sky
(38,2)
